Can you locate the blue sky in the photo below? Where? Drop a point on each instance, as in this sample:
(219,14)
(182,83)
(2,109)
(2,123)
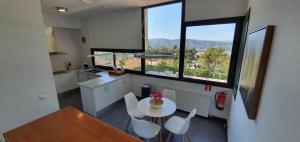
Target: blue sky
(165,22)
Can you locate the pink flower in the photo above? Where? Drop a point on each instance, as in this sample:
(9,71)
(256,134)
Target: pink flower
(156,95)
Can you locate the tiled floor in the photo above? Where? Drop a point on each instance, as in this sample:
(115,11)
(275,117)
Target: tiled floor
(201,129)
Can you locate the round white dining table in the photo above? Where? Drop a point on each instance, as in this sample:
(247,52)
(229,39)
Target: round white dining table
(168,108)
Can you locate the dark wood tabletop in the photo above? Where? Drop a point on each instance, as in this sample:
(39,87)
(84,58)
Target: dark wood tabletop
(68,125)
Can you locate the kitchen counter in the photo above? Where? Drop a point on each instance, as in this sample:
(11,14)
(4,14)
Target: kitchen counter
(100,92)
(103,78)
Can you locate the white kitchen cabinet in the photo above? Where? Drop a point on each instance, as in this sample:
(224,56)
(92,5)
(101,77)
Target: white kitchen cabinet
(65,81)
(125,86)
(96,99)
(69,80)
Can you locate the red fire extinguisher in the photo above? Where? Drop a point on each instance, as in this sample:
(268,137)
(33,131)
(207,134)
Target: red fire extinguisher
(220,100)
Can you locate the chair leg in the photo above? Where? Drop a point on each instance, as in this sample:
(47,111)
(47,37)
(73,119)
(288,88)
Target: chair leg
(169,137)
(127,124)
(182,138)
(189,137)
(160,137)
(160,132)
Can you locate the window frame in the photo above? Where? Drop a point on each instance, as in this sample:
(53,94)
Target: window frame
(234,53)
(114,58)
(143,39)
(184,24)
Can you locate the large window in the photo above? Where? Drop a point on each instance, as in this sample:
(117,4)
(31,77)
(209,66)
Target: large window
(202,51)
(208,50)
(118,58)
(104,58)
(162,37)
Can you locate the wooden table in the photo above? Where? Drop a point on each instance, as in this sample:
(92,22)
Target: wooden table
(68,125)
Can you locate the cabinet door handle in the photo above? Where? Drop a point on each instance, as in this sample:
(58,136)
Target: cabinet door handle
(106,89)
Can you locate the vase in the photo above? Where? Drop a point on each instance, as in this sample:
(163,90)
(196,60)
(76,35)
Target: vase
(156,104)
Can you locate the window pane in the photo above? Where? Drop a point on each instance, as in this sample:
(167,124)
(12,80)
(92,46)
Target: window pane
(105,58)
(162,28)
(208,51)
(128,61)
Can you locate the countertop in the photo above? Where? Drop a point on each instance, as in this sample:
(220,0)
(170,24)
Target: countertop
(59,72)
(103,78)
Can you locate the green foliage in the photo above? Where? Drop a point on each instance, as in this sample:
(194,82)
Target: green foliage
(190,56)
(161,68)
(211,63)
(213,58)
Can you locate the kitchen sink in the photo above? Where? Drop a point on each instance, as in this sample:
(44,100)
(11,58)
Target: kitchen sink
(59,72)
(93,71)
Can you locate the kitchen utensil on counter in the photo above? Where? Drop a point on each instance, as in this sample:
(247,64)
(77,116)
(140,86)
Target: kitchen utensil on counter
(69,66)
(85,66)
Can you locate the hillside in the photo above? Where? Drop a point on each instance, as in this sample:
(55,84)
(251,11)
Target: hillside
(198,44)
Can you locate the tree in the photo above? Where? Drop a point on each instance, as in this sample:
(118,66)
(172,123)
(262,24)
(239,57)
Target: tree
(213,59)
(190,56)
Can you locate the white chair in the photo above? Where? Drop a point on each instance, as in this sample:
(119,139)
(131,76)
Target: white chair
(170,94)
(131,107)
(180,126)
(145,129)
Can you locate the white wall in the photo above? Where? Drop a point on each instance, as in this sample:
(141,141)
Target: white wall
(68,41)
(212,9)
(137,81)
(116,30)
(85,46)
(25,71)
(61,21)
(278,115)
(123,29)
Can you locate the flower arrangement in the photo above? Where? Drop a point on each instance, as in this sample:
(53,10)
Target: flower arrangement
(156,99)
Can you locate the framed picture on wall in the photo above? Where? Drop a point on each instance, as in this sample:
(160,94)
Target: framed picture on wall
(255,60)
(241,52)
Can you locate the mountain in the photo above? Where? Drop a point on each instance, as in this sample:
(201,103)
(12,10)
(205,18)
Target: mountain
(198,44)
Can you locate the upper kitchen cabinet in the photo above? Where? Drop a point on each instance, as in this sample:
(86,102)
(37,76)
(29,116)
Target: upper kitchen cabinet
(51,42)
(67,41)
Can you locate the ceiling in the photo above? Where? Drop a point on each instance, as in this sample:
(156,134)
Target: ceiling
(78,9)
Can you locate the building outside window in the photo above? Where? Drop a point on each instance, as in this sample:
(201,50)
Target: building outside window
(128,61)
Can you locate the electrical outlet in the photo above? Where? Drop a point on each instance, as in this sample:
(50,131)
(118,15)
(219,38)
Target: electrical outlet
(43,97)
